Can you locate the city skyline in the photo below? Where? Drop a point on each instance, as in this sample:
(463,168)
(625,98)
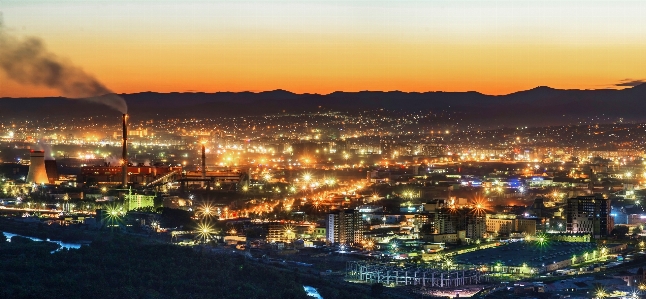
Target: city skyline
(322,149)
(493,47)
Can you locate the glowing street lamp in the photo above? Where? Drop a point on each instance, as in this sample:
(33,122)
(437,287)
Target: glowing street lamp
(449,263)
(307,177)
(204,231)
(601,293)
(205,210)
(369,245)
(113,215)
(541,240)
(155,226)
(393,246)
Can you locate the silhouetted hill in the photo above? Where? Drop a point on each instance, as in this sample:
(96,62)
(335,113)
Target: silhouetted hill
(540,105)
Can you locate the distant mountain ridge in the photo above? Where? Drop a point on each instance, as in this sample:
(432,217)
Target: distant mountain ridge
(540,105)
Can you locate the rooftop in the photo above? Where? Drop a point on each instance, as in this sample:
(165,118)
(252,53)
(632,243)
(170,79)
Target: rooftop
(530,253)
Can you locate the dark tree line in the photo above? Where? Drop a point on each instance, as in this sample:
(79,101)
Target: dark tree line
(125,268)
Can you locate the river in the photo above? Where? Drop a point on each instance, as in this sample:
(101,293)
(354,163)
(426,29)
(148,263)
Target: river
(60,243)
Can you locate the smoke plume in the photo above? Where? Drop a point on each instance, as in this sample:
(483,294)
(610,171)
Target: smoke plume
(47,148)
(42,146)
(27,61)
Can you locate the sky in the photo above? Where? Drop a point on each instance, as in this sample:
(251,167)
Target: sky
(493,47)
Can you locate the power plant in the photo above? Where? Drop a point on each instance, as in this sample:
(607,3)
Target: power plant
(124,153)
(37,171)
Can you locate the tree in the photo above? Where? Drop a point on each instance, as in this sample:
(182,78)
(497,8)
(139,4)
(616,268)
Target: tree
(377,289)
(175,218)
(637,230)
(620,231)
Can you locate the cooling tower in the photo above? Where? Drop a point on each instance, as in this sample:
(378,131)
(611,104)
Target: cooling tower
(37,171)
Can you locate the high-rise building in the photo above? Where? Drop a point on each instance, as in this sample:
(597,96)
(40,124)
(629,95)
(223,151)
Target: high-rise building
(476,225)
(589,215)
(446,221)
(345,227)
(450,221)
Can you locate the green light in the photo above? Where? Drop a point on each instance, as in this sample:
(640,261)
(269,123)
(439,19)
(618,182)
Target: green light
(541,240)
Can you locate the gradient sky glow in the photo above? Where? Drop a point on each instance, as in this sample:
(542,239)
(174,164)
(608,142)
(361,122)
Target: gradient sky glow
(495,47)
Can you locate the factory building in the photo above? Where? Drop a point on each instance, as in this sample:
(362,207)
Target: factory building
(112,175)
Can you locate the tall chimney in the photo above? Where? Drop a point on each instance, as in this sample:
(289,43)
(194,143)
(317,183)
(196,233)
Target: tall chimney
(124,154)
(203,164)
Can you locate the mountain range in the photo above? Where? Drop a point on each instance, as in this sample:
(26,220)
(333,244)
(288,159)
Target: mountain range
(538,106)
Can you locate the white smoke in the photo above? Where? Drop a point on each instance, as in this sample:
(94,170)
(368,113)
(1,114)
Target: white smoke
(113,161)
(47,148)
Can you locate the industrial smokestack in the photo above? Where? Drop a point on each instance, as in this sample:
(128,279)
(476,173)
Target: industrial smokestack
(37,171)
(124,153)
(203,164)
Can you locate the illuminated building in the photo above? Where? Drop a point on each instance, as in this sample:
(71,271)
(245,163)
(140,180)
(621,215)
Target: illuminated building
(135,201)
(37,171)
(505,224)
(589,214)
(345,227)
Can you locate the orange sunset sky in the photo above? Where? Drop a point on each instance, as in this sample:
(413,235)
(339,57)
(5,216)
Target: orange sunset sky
(494,47)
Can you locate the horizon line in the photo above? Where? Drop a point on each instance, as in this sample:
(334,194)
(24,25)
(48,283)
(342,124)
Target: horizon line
(616,88)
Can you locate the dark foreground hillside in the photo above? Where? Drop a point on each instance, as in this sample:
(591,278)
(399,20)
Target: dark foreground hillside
(126,268)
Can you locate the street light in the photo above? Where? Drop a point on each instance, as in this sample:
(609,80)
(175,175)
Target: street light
(204,231)
(393,246)
(601,293)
